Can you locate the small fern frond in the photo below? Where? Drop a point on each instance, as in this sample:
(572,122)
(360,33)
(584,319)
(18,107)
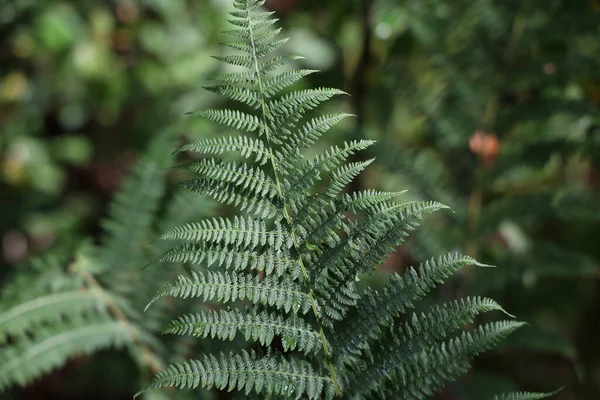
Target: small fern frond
(271,262)
(281,293)
(277,83)
(132,211)
(232,118)
(276,62)
(364,200)
(269,374)
(525,395)
(255,325)
(246,146)
(304,178)
(51,347)
(242,95)
(292,106)
(343,176)
(240,232)
(29,315)
(236,60)
(307,136)
(251,201)
(241,175)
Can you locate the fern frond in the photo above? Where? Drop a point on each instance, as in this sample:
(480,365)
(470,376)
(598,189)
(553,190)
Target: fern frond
(303,179)
(369,243)
(366,199)
(281,293)
(246,146)
(255,326)
(29,315)
(268,48)
(240,232)
(276,62)
(292,106)
(269,374)
(51,347)
(249,200)
(232,118)
(422,330)
(294,262)
(276,262)
(307,136)
(236,60)
(276,84)
(319,217)
(243,95)
(423,374)
(132,211)
(378,308)
(242,175)
(343,176)
(525,395)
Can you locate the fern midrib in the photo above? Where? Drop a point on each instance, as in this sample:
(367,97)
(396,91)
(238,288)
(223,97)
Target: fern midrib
(285,209)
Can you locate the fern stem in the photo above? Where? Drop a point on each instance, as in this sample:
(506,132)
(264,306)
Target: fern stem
(287,217)
(148,356)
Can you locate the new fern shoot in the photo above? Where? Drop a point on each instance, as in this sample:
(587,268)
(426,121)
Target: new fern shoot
(287,266)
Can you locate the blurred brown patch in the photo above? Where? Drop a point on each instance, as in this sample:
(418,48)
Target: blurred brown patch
(485,145)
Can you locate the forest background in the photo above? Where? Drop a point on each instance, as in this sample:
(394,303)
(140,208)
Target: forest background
(490,106)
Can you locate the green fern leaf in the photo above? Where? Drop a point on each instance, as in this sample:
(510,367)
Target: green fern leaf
(241,232)
(231,118)
(281,293)
(248,372)
(249,200)
(423,374)
(256,326)
(241,175)
(294,261)
(29,315)
(276,62)
(525,395)
(247,147)
(52,347)
(276,84)
(308,135)
(276,262)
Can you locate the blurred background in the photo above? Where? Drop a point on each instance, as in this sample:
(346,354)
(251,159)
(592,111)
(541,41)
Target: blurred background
(490,106)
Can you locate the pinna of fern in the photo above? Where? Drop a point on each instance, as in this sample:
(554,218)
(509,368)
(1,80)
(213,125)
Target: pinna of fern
(288,266)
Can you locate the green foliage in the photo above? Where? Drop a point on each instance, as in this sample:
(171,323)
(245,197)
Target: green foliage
(492,108)
(289,267)
(82,300)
